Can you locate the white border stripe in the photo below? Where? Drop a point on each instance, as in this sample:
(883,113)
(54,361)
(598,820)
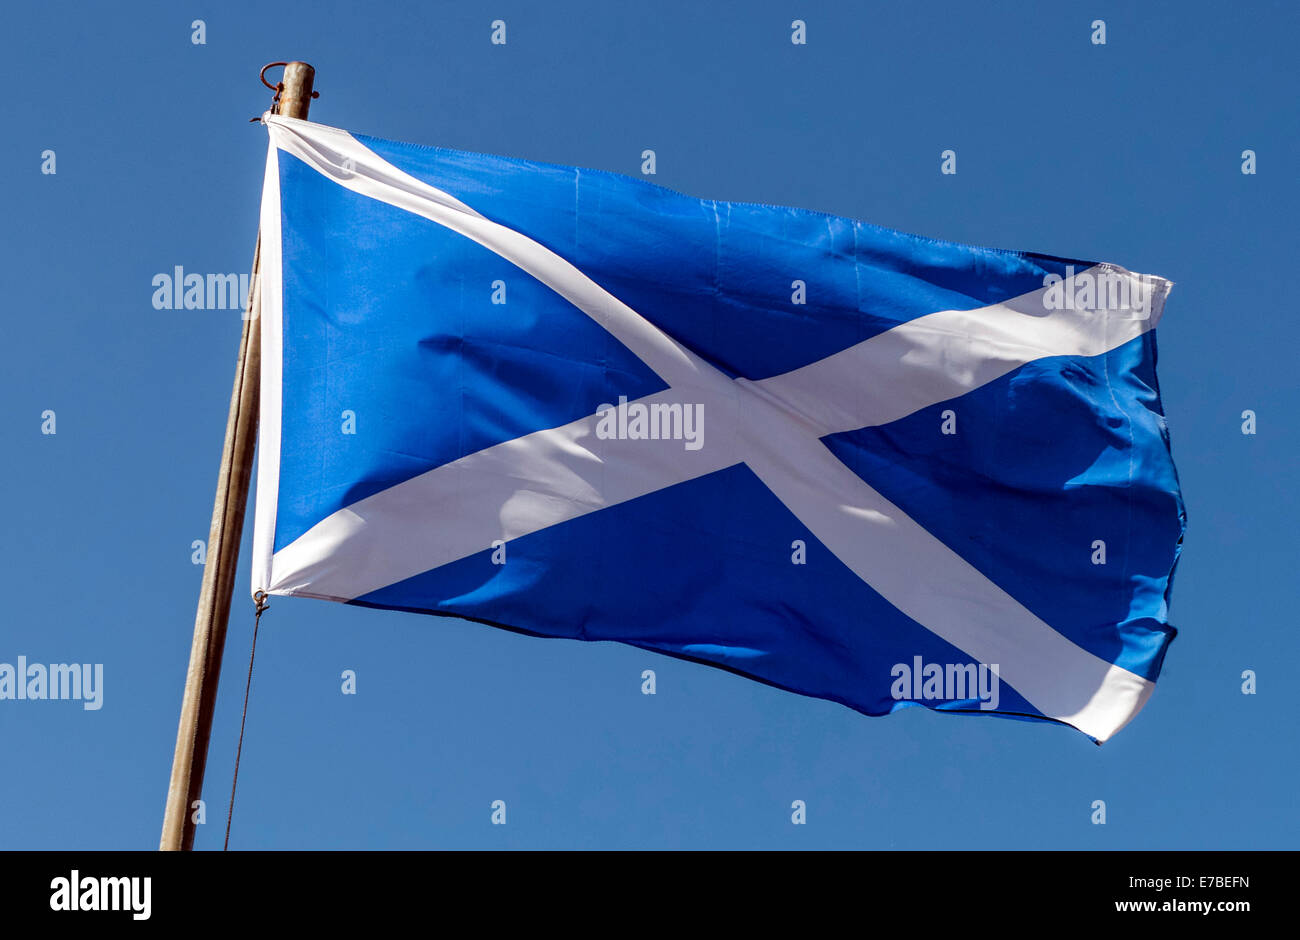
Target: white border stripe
(271,324)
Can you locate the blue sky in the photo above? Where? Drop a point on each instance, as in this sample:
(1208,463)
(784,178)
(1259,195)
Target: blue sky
(1128,152)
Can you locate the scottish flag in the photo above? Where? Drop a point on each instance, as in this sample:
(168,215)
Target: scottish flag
(849,462)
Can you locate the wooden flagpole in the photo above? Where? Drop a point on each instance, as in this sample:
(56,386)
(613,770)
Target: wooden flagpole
(199,703)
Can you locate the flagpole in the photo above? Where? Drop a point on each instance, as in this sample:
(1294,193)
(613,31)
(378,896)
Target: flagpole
(294,97)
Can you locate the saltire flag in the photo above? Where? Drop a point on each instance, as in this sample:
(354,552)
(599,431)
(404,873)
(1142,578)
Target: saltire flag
(849,462)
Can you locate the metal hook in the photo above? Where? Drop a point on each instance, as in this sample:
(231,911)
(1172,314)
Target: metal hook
(277,87)
(262,75)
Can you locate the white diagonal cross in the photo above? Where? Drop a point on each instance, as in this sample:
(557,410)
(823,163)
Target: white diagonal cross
(773,426)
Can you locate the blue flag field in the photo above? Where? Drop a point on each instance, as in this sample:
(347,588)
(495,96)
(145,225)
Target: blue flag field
(852,463)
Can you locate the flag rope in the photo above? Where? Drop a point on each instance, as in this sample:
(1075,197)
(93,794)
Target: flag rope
(260,598)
